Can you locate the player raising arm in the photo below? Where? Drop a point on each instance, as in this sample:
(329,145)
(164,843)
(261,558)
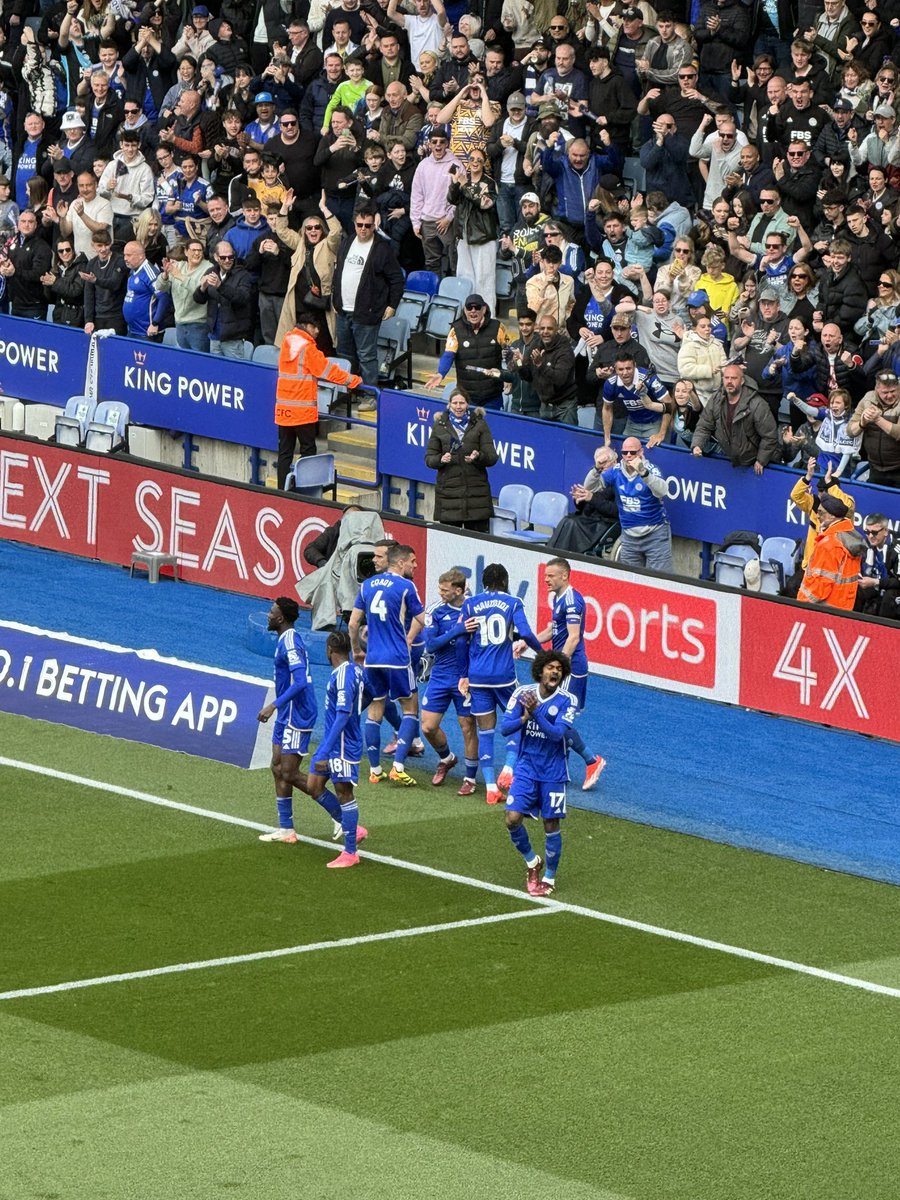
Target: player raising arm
(491,620)
(540,718)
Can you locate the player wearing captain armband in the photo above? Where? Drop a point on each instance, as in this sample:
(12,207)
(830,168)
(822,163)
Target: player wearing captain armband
(295,703)
(444,641)
(492,620)
(339,753)
(539,718)
(391,605)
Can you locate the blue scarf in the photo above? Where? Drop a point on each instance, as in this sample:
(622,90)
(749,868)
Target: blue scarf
(459,425)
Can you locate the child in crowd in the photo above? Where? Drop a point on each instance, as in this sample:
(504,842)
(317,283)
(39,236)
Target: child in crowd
(833,446)
(273,190)
(351,91)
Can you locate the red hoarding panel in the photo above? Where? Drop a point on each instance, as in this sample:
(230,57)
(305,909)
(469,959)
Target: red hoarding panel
(815,664)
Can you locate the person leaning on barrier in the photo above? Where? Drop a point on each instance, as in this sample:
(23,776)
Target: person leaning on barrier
(740,421)
(301,364)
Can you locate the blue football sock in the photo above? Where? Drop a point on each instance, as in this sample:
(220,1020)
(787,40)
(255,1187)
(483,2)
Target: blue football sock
(285,806)
(553,850)
(373,743)
(405,739)
(471,769)
(329,802)
(486,755)
(392,714)
(349,817)
(575,742)
(512,751)
(519,838)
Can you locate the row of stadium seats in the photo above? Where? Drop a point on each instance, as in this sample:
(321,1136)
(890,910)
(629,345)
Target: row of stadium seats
(777,557)
(97,427)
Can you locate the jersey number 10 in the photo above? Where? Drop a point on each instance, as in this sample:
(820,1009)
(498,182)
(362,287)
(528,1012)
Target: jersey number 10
(492,630)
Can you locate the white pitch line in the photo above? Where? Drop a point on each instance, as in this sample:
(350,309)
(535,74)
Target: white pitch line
(786,964)
(391,935)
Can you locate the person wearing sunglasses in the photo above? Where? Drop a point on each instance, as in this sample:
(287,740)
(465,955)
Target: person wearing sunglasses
(63,285)
(366,288)
(798,180)
(878,591)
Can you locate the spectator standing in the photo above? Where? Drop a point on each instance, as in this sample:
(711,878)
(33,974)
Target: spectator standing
(87,215)
(740,421)
(548,365)
(473,194)
(27,263)
(312,268)
(229,294)
(475,343)
(550,292)
(877,418)
(64,287)
(722,32)
(339,156)
(518,394)
(366,286)
(462,450)
(842,293)
(878,589)
(640,489)
(142,301)
(430,210)
(647,404)
(105,284)
(127,182)
(701,359)
(182,280)
(576,173)
(301,364)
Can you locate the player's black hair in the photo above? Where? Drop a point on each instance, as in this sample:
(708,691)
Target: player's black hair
(549,656)
(338,643)
(495,577)
(290,609)
(399,553)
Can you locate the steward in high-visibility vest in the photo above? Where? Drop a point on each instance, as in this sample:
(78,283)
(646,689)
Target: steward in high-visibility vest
(301,364)
(832,572)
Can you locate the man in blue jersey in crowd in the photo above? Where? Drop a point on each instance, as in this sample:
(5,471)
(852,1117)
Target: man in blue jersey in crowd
(492,620)
(340,751)
(295,703)
(444,640)
(566,634)
(648,406)
(639,490)
(540,718)
(391,606)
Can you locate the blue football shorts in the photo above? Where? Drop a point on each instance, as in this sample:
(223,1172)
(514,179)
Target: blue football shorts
(534,797)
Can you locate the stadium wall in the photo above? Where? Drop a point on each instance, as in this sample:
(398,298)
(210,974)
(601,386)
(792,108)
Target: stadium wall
(697,639)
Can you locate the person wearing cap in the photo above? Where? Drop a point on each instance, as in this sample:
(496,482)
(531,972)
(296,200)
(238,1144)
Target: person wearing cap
(250,226)
(75,146)
(758,341)
(628,46)
(833,142)
(881,147)
(806,499)
(521,246)
(877,417)
(506,150)
(740,421)
(610,99)
(430,211)
(832,573)
(266,124)
(195,38)
(475,344)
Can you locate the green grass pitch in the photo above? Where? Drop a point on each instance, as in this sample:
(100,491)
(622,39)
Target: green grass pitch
(550,1054)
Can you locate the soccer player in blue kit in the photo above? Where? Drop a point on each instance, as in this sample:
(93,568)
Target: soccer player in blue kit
(391,604)
(566,634)
(540,718)
(339,753)
(392,713)
(492,619)
(295,703)
(444,637)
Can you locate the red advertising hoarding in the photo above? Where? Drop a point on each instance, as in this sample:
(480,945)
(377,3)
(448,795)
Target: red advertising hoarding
(817,665)
(237,538)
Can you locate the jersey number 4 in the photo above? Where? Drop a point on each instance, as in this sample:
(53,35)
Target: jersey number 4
(378,607)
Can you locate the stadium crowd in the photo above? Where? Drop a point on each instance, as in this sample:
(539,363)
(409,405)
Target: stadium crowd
(698,204)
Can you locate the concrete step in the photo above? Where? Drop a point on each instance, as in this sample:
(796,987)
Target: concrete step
(356,442)
(358,468)
(350,494)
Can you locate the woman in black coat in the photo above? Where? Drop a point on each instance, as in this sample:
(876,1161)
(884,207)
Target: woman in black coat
(461,450)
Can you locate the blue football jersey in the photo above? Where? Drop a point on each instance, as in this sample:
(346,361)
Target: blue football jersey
(390,602)
(501,618)
(449,658)
(540,756)
(292,667)
(343,694)
(565,610)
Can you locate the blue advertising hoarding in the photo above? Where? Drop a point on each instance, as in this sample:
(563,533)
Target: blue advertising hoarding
(708,498)
(42,362)
(202,394)
(134,695)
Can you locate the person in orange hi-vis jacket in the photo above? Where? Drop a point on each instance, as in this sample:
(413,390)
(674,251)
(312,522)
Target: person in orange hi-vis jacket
(301,364)
(832,572)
